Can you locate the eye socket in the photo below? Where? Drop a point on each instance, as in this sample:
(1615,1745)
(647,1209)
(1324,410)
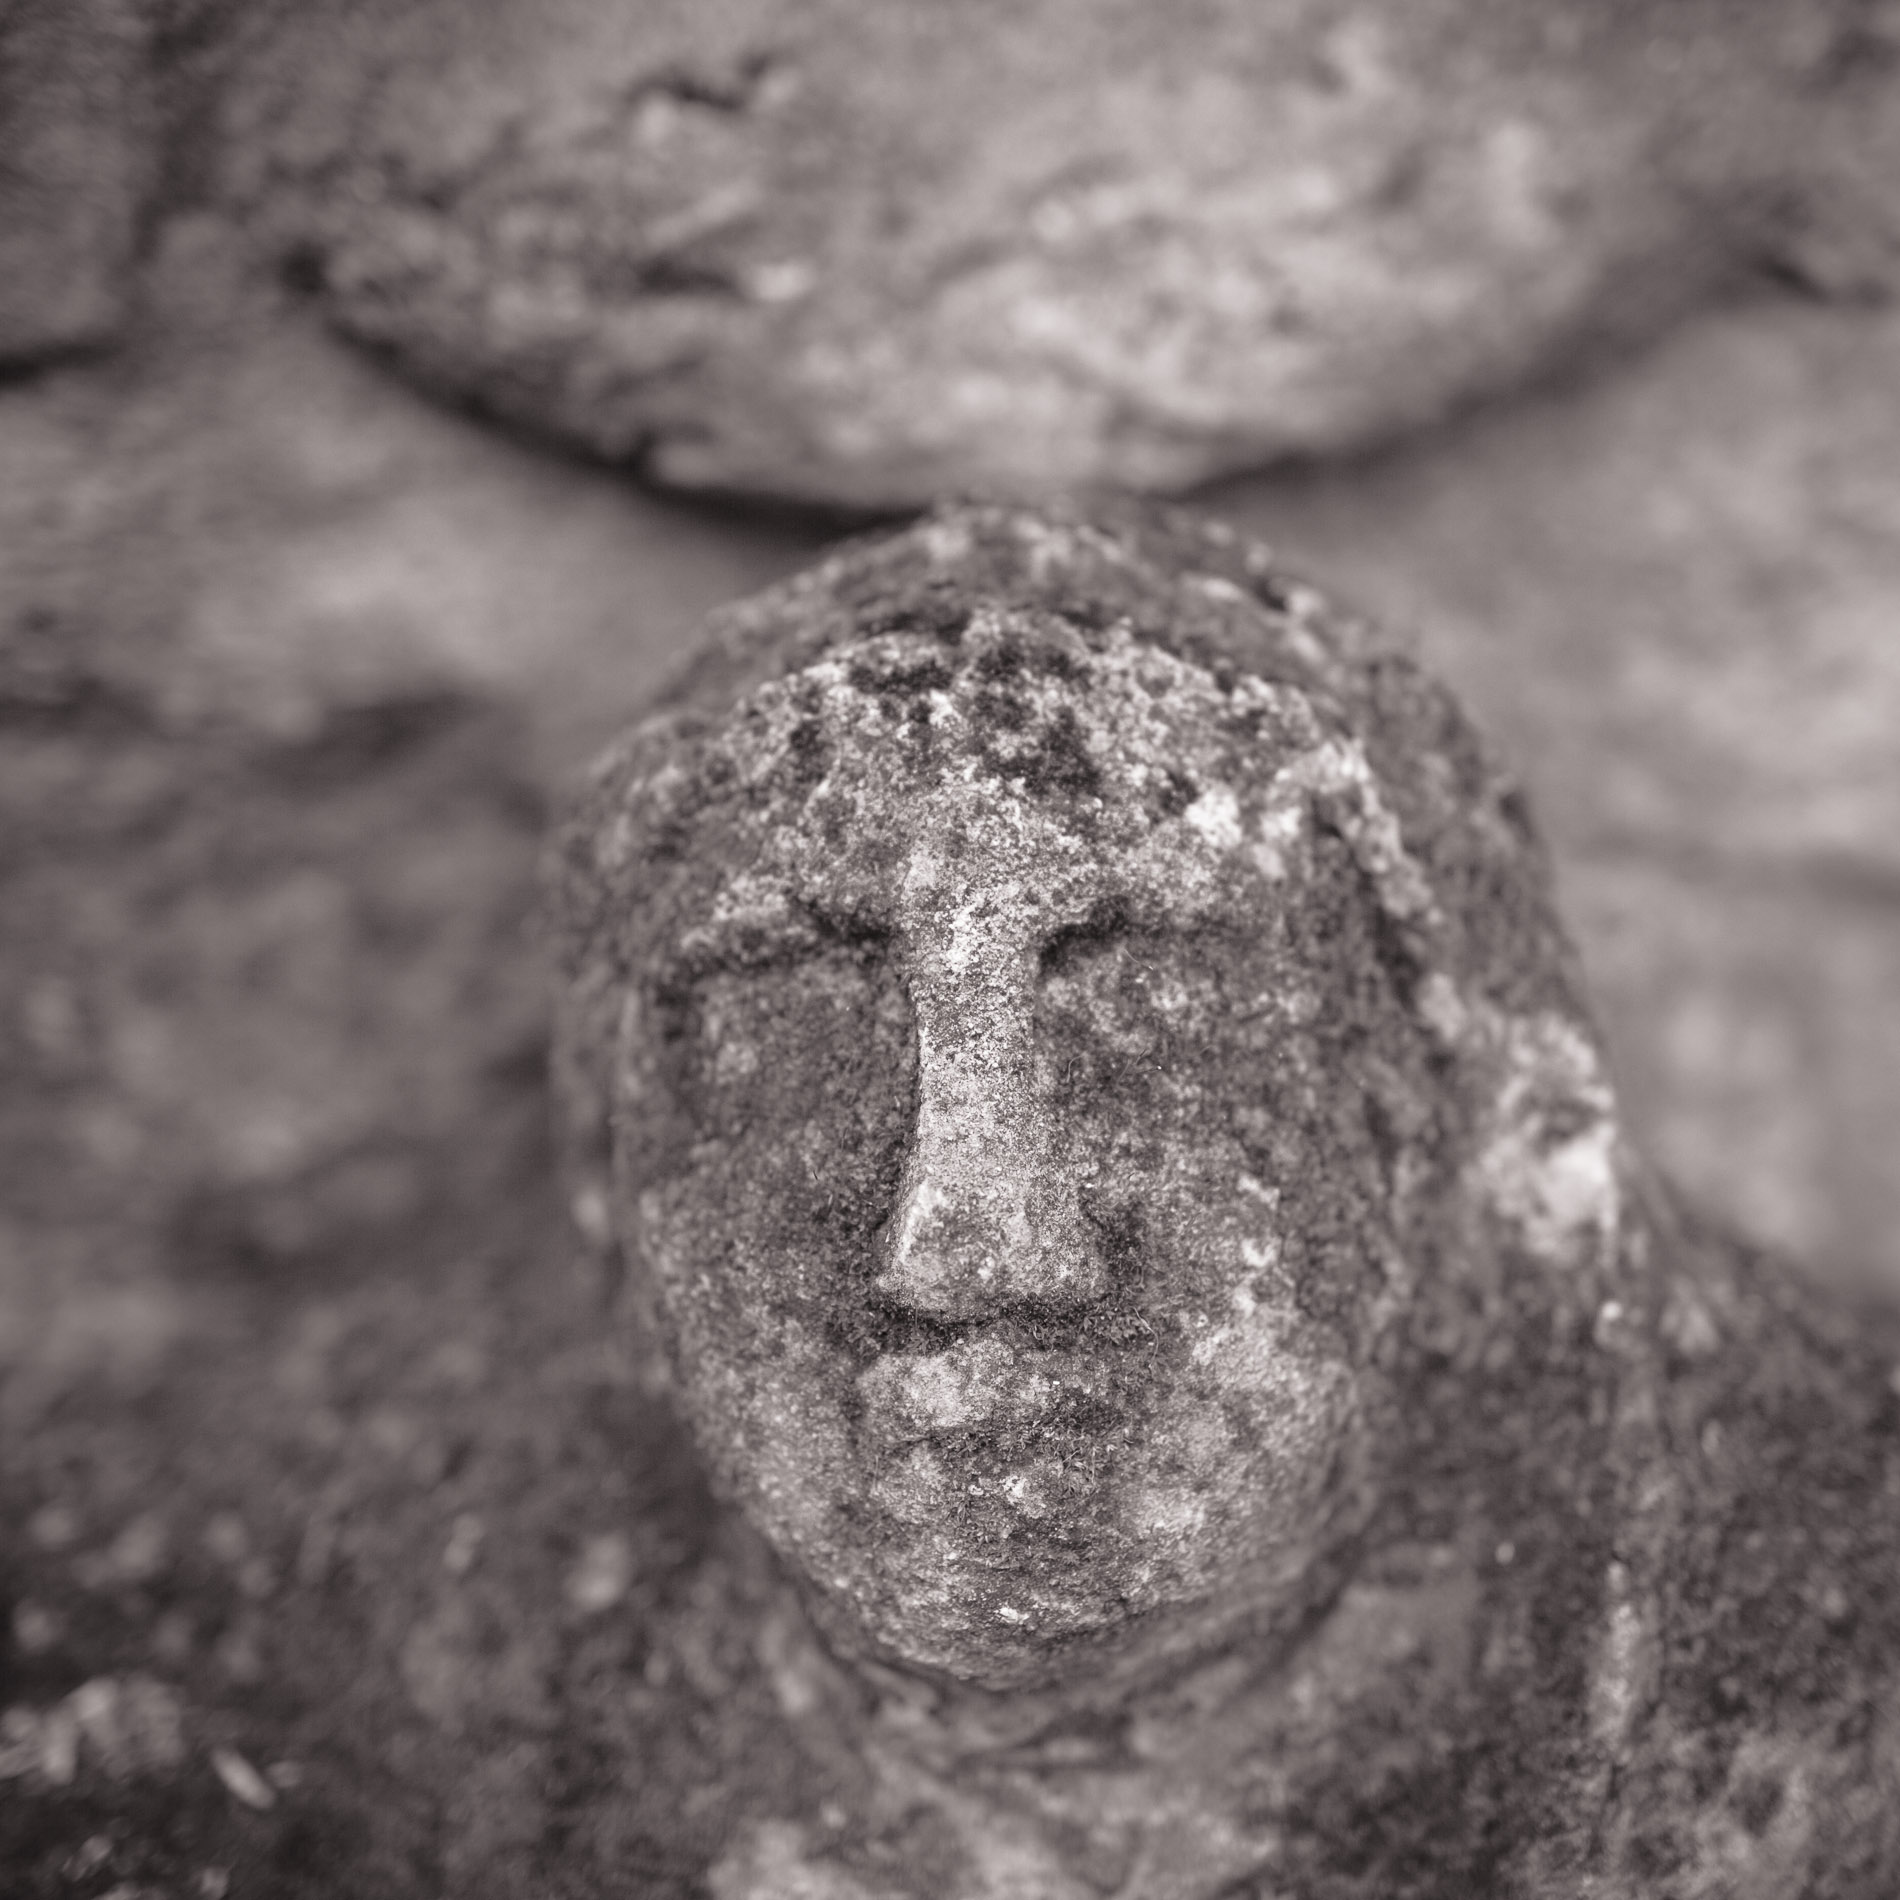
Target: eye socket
(1127,1021)
(797,1082)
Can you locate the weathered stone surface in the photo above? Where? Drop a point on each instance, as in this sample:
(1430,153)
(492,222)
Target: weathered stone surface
(1070,1036)
(870,253)
(77,159)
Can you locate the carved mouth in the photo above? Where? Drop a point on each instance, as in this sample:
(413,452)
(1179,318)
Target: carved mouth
(981,1387)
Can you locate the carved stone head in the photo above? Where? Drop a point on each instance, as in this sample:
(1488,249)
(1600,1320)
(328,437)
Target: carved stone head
(1072,1021)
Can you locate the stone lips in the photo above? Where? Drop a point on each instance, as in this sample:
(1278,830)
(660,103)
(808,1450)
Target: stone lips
(1081,1027)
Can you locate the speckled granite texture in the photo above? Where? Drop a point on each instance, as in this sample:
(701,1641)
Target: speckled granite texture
(1069,1035)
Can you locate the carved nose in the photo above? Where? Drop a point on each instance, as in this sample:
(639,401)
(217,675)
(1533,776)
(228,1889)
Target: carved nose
(988,1219)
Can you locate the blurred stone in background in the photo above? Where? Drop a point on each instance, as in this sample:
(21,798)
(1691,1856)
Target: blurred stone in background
(78,165)
(873,253)
(294,660)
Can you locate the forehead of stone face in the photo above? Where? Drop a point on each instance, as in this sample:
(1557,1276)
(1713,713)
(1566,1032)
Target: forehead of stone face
(1070,782)
(1092,675)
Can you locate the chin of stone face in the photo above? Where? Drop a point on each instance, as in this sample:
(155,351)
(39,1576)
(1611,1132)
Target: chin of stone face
(1067,1033)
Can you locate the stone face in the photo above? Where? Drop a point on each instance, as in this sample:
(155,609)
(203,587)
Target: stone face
(869,254)
(1070,1036)
(995,969)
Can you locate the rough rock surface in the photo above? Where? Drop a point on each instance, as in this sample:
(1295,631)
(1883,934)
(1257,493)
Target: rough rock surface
(1070,1037)
(874,253)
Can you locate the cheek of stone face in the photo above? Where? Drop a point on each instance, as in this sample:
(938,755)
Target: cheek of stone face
(1240,1455)
(1172,1061)
(1163,1058)
(795,1085)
